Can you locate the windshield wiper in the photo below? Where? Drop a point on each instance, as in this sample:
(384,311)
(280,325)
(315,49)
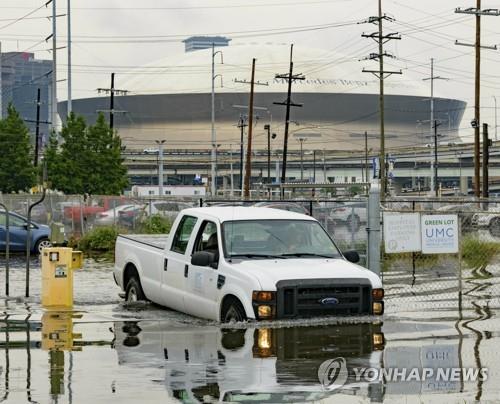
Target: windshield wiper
(257,256)
(309,255)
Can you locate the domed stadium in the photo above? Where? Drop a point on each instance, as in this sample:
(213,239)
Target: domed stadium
(171,100)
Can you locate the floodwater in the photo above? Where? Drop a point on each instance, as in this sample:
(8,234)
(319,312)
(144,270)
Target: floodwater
(105,351)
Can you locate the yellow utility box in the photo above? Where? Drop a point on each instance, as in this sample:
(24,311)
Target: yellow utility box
(58,264)
(57,331)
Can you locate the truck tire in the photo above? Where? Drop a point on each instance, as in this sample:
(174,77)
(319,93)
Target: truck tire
(232,311)
(133,292)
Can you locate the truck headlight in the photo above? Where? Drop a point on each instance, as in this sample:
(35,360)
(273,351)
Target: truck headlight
(378,339)
(378,308)
(264,339)
(264,345)
(264,311)
(264,304)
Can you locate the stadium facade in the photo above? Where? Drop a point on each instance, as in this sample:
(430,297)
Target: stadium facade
(171,100)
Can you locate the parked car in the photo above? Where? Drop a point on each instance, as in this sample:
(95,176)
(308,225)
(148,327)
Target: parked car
(111,216)
(237,263)
(88,212)
(465,212)
(39,213)
(168,209)
(350,213)
(132,214)
(490,219)
(18,233)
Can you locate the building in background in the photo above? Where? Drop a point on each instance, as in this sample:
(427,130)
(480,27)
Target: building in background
(22,76)
(194,43)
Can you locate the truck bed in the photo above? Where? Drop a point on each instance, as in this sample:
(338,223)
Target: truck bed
(153,240)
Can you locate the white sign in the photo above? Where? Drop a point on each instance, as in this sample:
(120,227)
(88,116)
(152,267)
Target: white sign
(402,232)
(439,234)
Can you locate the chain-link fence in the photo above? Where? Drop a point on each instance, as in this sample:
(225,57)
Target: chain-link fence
(412,280)
(467,279)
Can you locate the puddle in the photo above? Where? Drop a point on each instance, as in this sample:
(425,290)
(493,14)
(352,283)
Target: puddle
(106,351)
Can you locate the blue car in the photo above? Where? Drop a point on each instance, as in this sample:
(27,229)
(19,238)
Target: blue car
(18,230)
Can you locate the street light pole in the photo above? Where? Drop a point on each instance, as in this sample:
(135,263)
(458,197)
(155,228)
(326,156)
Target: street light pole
(436,124)
(160,166)
(301,140)
(214,140)
(496,123)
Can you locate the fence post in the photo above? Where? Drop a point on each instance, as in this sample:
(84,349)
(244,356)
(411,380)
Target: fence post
(373,229)
(7,248)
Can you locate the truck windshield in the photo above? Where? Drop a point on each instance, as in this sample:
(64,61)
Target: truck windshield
(277,239)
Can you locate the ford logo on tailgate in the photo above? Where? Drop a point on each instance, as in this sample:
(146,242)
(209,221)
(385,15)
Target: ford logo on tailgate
(328,301)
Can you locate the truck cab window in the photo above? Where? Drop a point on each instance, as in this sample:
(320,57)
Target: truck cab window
(183,233)
(206,239)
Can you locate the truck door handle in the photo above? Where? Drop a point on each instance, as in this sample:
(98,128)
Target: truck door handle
(165,264)
(186,269)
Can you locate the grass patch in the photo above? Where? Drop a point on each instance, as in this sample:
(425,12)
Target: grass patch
(478,254)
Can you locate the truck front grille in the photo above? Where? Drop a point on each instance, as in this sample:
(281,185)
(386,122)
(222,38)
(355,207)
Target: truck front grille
(323,297)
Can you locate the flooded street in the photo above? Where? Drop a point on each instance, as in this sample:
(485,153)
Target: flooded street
(107,351)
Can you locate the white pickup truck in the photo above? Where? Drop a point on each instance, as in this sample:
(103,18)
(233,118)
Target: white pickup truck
(238,263)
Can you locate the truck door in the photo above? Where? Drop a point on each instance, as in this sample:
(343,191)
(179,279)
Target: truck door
(201,288)
(176,265)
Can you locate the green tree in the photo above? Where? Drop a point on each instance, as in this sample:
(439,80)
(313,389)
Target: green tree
(17,172)
(88,161)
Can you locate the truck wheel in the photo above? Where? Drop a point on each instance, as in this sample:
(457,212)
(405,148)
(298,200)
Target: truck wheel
(233,311)
(134,292)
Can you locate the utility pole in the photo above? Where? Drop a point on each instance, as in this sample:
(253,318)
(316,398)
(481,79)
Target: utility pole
(381,74)
(231,192)
(436,124)
(213,188)
(70,98)
(324,167)
(269,137)
(432,122)
(496,123)
(314,166)
(112,91)
(37,128)
(242,125)
(477,107)
(366,157)
(248,162)
(53,118)
(486,160)
(289,77)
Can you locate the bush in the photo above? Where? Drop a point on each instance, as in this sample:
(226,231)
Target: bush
(155,224)
(99,239)
(478,254)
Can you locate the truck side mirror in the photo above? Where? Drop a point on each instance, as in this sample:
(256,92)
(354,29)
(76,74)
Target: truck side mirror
(351,256)
(203,259)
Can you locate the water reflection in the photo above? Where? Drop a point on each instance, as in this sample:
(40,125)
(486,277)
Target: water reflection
(261,365)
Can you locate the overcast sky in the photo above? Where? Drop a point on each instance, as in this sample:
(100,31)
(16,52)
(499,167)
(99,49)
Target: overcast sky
(115,35)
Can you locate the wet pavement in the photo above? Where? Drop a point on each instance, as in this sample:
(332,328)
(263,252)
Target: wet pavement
(106,351)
